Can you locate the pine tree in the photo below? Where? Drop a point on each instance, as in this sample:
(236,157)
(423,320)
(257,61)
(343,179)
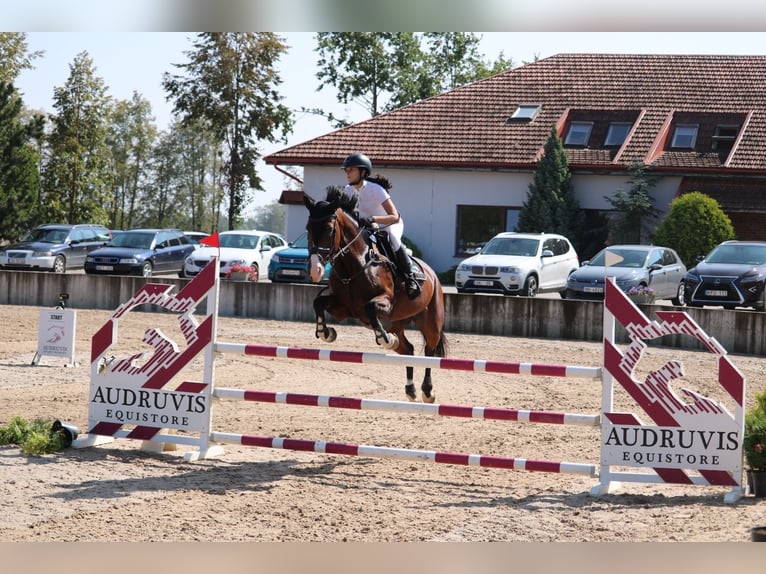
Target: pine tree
(551,206)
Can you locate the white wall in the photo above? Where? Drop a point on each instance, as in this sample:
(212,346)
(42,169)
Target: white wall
(427,200)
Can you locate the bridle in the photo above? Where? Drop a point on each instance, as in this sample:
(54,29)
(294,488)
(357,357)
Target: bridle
(334,251)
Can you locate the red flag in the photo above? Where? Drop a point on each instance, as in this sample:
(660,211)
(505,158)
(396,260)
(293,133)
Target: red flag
(211,240)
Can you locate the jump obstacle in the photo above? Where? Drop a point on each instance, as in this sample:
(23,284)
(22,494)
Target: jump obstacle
(698,442)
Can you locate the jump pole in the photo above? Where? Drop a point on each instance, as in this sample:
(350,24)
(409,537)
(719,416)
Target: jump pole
(716,462)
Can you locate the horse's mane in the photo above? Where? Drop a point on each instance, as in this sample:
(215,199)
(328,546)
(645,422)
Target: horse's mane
(346,203)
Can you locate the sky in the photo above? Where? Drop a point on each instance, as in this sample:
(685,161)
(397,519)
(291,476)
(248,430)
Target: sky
(136,61)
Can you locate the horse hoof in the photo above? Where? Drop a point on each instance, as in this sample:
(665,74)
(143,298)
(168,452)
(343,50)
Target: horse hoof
(330,335)
(393,342)
(429,400)
(409,390)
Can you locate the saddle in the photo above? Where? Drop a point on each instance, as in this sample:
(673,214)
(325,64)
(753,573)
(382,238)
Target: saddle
(380,246)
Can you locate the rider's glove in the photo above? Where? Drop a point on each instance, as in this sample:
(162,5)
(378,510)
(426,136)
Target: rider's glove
(369,223)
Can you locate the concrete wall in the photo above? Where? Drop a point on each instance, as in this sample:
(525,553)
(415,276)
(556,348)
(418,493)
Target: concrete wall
(740,332)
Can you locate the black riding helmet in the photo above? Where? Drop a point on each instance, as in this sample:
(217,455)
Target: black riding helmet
(358,160)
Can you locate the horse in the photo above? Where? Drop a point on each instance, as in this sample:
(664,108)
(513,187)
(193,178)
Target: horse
(365,286)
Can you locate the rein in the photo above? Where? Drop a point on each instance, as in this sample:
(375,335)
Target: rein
(332,257)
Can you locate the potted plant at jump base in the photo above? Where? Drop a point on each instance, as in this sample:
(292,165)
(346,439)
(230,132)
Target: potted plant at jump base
(239,272)
(641,295)
(754,446)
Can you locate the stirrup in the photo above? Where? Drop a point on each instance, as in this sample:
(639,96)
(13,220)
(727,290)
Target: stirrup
(412,288)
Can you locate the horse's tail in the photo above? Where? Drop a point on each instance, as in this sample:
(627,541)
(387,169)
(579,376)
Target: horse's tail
(437,302)
(441,346)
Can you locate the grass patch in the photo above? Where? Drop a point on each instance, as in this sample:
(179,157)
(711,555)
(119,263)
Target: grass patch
(34,437)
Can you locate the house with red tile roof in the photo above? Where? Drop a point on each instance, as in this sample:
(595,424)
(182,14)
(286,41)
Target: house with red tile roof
(461,162)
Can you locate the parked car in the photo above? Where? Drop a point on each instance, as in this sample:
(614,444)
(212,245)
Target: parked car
(144,252)
(659,268)
(519,264)
(732,275)
(54,247)
(246,247)
(195,236)
(291,265)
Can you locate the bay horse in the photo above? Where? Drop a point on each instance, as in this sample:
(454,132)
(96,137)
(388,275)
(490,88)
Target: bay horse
(364,285)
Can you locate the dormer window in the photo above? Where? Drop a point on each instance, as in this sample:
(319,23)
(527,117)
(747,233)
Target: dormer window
(724,136)
(578,134)
(684,136)
(616,134)
(524,113)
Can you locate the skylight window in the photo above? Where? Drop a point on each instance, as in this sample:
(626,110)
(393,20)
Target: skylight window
(616,134)
(579,133)
(685,136)
(525,112)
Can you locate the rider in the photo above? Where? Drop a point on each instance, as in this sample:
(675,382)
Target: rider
(377,209)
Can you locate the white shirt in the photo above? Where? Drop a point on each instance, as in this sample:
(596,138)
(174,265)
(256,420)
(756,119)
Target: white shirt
(371,198)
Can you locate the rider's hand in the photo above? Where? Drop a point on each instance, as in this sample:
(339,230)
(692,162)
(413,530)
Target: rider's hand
(369,222)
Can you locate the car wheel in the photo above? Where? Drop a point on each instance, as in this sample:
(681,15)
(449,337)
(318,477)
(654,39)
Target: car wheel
(256,272)
(182,273)
(563,294)
(680,299)
(59,264)
(530,286)
(146,269)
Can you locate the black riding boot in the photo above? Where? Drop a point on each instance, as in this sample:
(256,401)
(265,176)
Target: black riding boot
(405,265)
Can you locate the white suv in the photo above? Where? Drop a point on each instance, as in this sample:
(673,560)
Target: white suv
(519,264)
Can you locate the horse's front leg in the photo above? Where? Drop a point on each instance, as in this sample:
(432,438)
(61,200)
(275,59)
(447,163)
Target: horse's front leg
(322,331)
(382,337)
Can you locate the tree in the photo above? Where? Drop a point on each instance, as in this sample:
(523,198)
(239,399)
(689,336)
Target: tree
(270,217)
(78,174)
(635,209)
(14,55)
(362,66)
(131,137)
(19,160)
(551,206)
(694,224)
(231,86)
(383,71)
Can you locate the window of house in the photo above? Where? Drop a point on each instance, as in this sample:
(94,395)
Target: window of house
(684,136)
(724,136)
(525,112)
(477,224)
(617,132)
(579,133)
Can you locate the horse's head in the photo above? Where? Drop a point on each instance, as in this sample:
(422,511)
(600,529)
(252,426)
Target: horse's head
(321,232)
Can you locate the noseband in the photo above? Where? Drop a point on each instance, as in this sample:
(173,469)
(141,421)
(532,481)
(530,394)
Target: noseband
(330,254)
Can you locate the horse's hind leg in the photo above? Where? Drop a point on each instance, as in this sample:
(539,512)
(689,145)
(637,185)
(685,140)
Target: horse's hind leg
(406,348)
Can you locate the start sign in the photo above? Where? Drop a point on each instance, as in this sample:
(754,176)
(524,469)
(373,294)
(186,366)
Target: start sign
(56,335)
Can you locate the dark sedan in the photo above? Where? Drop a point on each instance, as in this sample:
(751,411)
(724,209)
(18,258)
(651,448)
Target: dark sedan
(732,275)
(55,247)
(141,252)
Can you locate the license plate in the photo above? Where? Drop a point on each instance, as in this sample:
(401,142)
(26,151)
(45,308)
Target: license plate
(291,272)
(716,293)
(16,261)
(593,289)
(104,268)
(481,283)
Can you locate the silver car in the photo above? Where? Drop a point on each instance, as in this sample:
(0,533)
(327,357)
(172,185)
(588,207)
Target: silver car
(632,266)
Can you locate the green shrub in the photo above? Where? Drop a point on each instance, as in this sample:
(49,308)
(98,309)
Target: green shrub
(754,443)
(447,277)
(34,438)
(414,248)
(694,224)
